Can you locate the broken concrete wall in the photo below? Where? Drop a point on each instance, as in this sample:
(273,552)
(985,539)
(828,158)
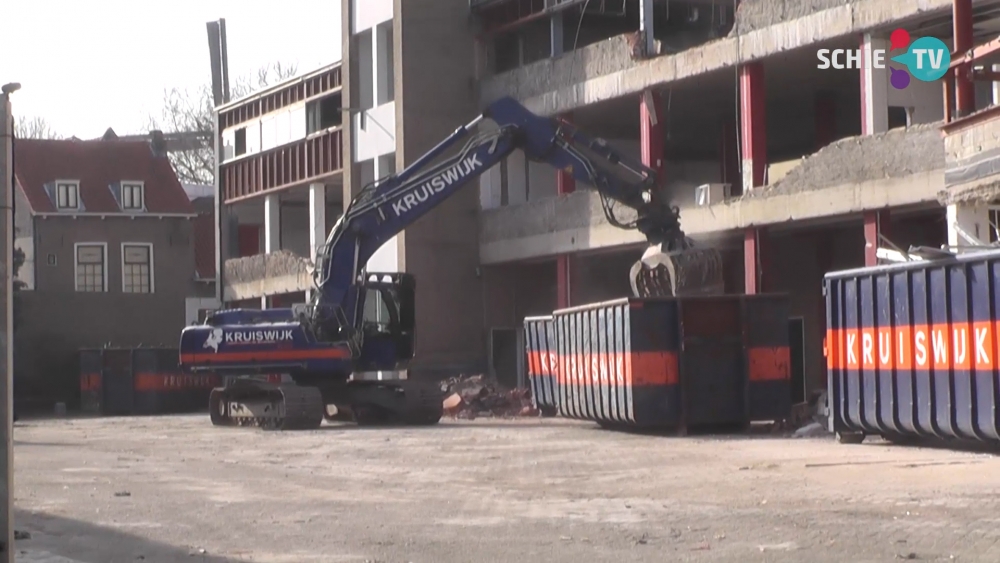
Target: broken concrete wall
(972,157)
(752,15)
(605,70)
(274,273)
(894,154)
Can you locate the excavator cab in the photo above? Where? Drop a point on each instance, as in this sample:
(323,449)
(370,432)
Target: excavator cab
(389,320)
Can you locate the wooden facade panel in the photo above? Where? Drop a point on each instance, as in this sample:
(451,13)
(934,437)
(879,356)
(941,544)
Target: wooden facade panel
(296,163)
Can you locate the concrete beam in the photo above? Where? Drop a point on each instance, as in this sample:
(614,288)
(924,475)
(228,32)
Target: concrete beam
(263,288)
(605,70)
(920,189)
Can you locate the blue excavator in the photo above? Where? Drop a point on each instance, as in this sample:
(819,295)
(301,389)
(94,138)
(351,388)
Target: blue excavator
(359,322)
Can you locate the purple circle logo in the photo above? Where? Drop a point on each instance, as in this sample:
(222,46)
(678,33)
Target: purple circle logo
(899,79)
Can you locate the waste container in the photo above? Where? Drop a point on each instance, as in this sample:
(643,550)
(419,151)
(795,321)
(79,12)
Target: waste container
(130,381)
(674,362)
(539,344)
(912,348)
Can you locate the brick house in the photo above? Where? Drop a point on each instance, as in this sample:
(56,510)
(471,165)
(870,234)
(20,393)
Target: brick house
(109,241)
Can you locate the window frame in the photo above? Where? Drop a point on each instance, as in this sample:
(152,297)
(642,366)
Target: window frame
(77,264)
(152,269)
(129,184)
(75,184)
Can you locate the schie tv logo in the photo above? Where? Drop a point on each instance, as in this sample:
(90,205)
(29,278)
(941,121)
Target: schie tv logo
(927,59)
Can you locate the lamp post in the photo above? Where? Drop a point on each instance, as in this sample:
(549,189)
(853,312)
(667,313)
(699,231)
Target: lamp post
(6,323)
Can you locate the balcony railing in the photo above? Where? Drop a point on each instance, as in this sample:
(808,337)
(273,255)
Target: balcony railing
(308,160)
(282,95)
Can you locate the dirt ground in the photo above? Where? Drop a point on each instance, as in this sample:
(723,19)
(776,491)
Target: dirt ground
(177,489)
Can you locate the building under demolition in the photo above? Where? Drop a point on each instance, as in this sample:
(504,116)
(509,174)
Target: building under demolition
(791,169)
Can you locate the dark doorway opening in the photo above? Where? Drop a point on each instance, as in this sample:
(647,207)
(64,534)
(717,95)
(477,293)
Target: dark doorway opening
(796,348)
(503,356)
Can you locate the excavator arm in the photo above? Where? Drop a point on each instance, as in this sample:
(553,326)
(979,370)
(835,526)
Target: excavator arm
(385,208)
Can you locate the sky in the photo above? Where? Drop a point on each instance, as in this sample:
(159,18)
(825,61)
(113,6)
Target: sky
(85,66)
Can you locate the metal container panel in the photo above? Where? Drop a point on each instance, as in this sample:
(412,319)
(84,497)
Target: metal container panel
(768,356)
(160,387)
(912,349)
(617,362)
(91,368)
(539,335)
(116,379)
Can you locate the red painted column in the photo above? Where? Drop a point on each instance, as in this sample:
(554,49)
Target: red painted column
(565,184)
(876,222)
(965,89)
(753,157)
(825,107)
(753,125)
(651,134)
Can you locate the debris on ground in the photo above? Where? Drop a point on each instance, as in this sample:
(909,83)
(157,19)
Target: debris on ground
(22,535)
(123,494)
(473,396)
(812,430)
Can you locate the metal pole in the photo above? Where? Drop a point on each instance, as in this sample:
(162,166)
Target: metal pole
(6,325)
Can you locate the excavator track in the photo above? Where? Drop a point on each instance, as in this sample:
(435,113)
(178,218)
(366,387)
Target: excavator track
(268,406)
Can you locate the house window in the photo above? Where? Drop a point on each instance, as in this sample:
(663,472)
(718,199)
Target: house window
(137,268)
(91,262)
(67,195)
(132,196)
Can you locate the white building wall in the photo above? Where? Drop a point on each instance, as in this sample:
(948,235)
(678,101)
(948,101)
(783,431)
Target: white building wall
(24,238)
(375,134)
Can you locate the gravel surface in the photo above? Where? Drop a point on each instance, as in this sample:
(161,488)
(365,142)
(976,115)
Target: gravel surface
(177,489)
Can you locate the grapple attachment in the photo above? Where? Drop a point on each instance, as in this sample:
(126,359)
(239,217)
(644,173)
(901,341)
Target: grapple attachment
(677,273)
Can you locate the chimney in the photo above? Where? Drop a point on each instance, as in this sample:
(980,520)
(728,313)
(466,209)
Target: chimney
(157,143)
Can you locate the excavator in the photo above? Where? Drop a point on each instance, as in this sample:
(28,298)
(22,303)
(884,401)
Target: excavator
(358,322)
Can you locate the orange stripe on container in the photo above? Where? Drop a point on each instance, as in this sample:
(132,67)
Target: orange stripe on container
(769,364)
(957,345)
(635,368)
(90,382)
(266,355)
(172,382)
(541,363)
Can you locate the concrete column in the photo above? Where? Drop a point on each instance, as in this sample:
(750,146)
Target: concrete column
(753,156)
(565,184)
(272,230)
(996,87)
(874,87)
(972,219)
(378,80)
(876,223)
(753,125)
(556,36)
(825,107)
(651,134)
(317,219)
(729,154)
(756,261)
(272,223)
(7,330)
(563,288)
(646,26)
(965,89)
(317,223)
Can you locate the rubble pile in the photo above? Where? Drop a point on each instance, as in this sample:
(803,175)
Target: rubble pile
(469,397)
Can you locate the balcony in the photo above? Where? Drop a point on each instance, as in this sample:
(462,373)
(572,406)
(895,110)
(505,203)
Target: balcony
(320,81)
(312,159)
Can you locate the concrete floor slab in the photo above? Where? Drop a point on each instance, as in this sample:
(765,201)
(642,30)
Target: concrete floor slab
(489,490)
